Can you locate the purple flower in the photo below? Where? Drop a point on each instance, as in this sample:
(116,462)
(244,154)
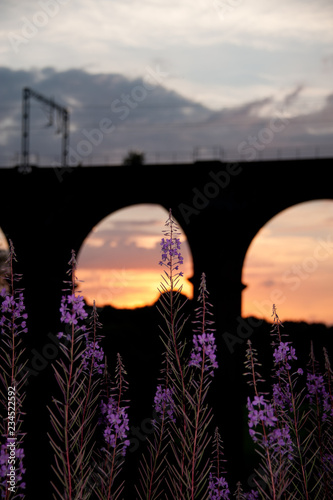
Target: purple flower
(316,388)
(116,421)
(164,404)
(72,309)
(328,463)
(4,466)
(204,348)
(253,435)
(264,414)
(93,351)
(3,460)
(280,440)
(269,418)
(72,313)
(171,255)
(8,303)
(13,312)
(277,438)
(252,495)
(171,246)
(315,383)
(258,400)
(283,354)
(218,488)
(282,396)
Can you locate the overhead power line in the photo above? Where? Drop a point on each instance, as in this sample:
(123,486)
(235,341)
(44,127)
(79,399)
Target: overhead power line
(51,106)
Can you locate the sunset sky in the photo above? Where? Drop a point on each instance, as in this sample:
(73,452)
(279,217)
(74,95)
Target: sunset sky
(174,77)
(289,262)
(3,241)
(119,261)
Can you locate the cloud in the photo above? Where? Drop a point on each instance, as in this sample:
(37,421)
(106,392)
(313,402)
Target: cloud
(288,224)
(154,121)
(95,242)
(129,237)
(127,252)
(215,52)
(292,96)
(268,283)
(125,24)
(119,256)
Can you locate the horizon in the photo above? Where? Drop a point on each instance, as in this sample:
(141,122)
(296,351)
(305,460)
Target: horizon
(290,239)
(174,81)
(288,262)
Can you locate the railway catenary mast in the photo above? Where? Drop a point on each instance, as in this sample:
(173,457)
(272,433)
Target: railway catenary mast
(27,93)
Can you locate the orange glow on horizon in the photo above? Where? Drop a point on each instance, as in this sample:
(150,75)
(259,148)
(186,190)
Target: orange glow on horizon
(118,261)
(124,288)
(3,241)
(290,264)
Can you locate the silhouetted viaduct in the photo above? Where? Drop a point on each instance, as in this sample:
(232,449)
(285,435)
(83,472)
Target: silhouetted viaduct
(48,212)
(220,207)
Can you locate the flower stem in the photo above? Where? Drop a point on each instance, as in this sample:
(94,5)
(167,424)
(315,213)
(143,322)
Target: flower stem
(269,462)
(297,437)
(71,362)
(197,422)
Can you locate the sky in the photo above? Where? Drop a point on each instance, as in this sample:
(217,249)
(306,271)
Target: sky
(171,76)
(290,264)
(176,80)
(119,260)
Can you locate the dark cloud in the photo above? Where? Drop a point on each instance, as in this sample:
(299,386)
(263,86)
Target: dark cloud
(155,120)
(292,96)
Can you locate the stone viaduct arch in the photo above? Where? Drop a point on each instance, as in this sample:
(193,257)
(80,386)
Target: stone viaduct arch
(220,207)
